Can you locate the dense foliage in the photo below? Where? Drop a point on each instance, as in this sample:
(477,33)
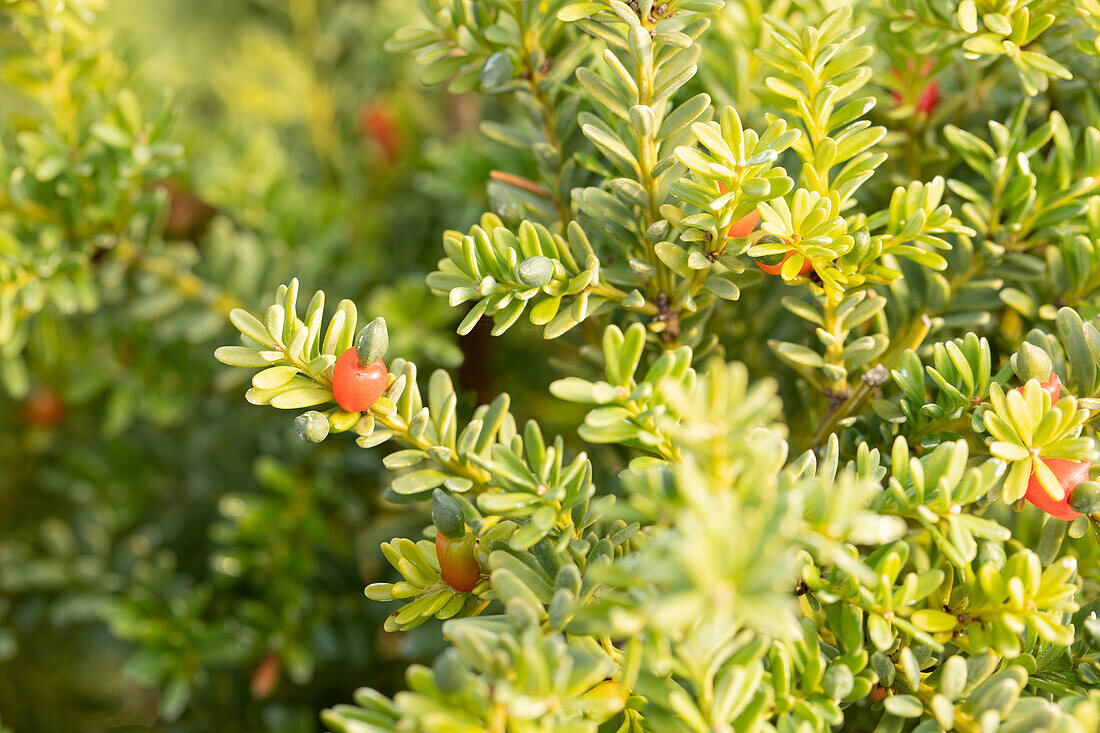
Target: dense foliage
(152,569)
(815,286)
(880,520)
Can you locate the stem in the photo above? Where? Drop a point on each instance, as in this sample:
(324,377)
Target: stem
(912,338)
(565,214)
(834,349)
(454,467)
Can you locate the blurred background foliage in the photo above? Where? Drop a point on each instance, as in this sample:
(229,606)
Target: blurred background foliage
(152,573)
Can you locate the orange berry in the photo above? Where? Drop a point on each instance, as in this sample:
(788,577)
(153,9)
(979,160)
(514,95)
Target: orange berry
(457,561)
(357,387)
(1069,474)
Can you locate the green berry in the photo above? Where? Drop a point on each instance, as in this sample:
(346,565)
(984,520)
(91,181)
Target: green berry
(536,272)
(312,426)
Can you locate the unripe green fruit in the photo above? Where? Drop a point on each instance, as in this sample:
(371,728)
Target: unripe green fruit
(1031,362)
(373,341)
(1086,497)
(312,426)
(536,272)
(458,566)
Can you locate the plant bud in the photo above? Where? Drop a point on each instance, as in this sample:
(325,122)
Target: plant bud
(1031,362)
(536,272)
(312,426)
(447,515)
(373,341)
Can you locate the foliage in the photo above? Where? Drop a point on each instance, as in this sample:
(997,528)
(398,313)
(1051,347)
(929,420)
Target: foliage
(138,537)
(815,287)
(840,541)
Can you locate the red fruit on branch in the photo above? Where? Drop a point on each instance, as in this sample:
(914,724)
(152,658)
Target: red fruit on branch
(744,226)
(357,386)
(929,97)
(43,409)
(776,268)
(1052,386)
(457,561)
(266,675)
(379,125)
(1069,474)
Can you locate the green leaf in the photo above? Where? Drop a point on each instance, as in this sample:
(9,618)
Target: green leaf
(418,482)
(251,327)
(904,706)
(298,398)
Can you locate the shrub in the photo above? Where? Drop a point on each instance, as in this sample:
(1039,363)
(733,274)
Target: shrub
(150,566)
(823,282)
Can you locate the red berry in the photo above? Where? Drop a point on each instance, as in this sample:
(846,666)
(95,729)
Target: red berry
(743,227)
(357,387)
(457,561)
(1069,474)
(378,124)
(44,408)
(1052,386)
(777,268)
(266,675)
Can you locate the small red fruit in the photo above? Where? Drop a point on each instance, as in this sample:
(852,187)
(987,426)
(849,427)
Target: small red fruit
(777,268)
(457,561)
(743,227)
(1052,386)
(1069,474)
(266,675)
(356,386)
(929,97)
(44,408)
(378,124)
